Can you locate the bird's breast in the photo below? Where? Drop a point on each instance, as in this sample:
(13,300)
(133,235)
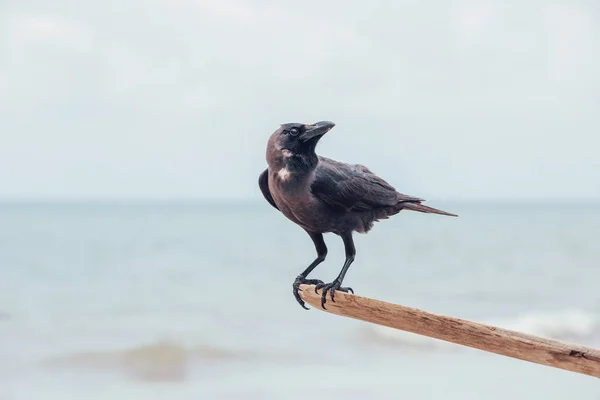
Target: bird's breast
(293,197)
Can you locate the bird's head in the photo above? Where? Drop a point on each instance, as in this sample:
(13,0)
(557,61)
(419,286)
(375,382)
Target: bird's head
(296,138)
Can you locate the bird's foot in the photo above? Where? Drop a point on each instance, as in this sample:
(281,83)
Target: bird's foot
(301,280)
(331,287)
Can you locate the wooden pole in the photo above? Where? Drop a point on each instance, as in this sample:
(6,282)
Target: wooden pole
(539,350)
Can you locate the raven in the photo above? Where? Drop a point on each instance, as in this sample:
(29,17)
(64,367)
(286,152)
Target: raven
(322,195)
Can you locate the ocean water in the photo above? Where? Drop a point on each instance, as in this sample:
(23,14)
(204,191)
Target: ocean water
(193,301)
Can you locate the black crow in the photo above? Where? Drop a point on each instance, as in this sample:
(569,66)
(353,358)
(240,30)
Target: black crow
(322,195)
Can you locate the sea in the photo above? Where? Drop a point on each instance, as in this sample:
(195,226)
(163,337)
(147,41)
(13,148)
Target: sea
(193,300)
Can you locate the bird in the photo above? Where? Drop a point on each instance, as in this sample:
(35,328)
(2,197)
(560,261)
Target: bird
(322,195)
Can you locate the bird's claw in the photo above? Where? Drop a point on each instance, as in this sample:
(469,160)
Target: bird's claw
(301,280)
(331,287)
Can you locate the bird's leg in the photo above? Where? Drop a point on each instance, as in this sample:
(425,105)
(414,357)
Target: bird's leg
(321,248)
(337,283)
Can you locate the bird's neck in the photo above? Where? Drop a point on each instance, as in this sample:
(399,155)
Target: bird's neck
(303,163)
(293,167)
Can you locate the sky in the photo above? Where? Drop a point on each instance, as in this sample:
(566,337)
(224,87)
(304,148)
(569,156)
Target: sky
(175,99)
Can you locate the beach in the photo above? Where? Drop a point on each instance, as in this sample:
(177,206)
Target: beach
(194,300)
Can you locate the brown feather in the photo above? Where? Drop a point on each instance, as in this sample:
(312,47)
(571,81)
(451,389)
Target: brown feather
(425,209)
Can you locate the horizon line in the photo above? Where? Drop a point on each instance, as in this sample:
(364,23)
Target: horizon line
(11,200)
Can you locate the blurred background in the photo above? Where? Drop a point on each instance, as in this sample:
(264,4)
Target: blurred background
(138,257)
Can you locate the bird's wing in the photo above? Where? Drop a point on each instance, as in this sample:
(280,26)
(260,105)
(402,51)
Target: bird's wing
(263,184)
(353,187)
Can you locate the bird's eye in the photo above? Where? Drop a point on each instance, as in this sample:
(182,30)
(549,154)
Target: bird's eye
(294,132)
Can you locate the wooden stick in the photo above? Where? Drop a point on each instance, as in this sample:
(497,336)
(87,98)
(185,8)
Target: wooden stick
(553,353)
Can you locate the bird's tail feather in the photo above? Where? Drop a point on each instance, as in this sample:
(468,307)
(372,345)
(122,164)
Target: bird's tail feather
(425,209)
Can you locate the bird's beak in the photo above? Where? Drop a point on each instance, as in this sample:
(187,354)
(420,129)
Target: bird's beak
(316,130)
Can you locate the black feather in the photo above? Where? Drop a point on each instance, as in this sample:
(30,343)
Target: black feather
(263,183)
(353,187)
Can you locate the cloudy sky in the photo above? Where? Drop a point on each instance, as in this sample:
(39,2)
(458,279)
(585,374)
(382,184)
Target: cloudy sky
(176,98)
